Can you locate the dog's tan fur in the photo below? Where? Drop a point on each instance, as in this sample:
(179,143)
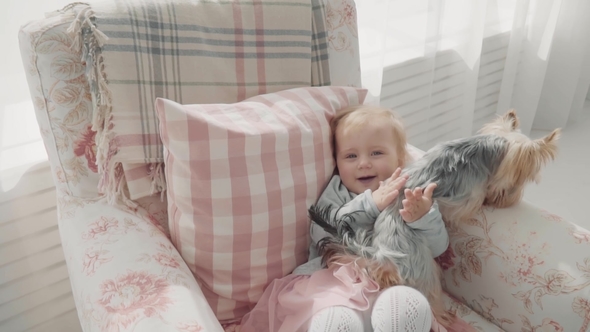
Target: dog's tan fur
(521,165)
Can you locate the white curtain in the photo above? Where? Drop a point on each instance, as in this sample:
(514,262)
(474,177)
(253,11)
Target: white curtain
(448,66)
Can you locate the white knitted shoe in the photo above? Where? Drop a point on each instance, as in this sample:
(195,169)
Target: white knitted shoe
(401,309)
(337,319)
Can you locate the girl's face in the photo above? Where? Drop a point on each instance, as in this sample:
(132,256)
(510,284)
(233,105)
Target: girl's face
(365,156)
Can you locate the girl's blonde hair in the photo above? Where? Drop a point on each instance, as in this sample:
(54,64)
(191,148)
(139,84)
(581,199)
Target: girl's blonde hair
(357,116)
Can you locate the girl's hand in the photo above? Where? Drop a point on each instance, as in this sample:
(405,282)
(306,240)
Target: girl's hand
(417,203)
(389,189)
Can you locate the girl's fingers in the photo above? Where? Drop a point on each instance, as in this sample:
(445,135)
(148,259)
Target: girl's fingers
(418,193)
(405,215)
(409,194)
(395,174)
(392,195)
(399,182)
(396,184)
(429,190)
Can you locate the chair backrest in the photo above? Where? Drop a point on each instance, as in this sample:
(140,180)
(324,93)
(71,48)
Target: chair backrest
(63,84)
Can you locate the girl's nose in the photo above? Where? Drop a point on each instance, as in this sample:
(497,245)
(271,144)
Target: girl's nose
(364,163)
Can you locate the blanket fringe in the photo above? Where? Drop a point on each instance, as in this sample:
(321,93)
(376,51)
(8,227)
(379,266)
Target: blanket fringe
(114,186)
(158,179)
(88,39)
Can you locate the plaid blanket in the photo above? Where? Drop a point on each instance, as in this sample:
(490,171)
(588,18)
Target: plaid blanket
(193,52)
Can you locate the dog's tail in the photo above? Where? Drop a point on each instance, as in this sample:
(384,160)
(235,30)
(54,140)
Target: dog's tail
(346,246)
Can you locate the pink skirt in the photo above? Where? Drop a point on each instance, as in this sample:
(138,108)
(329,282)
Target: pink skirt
(288,304)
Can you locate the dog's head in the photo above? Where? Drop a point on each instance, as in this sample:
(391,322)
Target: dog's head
(522,162)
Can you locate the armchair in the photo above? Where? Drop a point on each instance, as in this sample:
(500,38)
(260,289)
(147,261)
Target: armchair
(515,269)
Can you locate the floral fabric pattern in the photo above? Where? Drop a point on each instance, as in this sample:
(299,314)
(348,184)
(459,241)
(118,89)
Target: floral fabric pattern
(86,147)
(343,43)
(127,276)
(341,14)
(522,268)
(62,101)
(133,295)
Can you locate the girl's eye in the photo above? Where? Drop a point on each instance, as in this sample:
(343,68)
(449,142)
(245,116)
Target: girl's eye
(350,156)
(377,153)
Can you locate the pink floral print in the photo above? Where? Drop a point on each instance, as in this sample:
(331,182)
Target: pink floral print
(166,256)
(166,260)
(133,296)
(102,226)
(93,259)
(85,146)
(520,261)
(581,306)
(547,325)
(524,259)
(63,104)
(445,261)
(190,327)
(341,15)
(581,236)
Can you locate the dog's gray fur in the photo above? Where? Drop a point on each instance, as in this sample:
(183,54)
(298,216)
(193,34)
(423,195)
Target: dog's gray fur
(461,169)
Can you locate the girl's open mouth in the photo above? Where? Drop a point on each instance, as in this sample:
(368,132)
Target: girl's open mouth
(366,179)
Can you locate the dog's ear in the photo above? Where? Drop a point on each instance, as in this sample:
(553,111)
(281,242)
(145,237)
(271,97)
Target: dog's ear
(510,117)
(554,136)
(527,158)
(547,146)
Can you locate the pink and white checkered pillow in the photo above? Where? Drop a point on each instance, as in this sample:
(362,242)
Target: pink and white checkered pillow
(240,179)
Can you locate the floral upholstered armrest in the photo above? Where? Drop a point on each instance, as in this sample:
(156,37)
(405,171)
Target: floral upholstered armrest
(522,268)
(126,275)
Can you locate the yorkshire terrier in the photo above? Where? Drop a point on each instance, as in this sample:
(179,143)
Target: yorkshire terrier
(490,169)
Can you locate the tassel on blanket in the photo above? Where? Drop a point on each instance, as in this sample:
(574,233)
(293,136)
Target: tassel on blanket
(114,186)
(84,19)
(158,179)
(89,40)
(112,182)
